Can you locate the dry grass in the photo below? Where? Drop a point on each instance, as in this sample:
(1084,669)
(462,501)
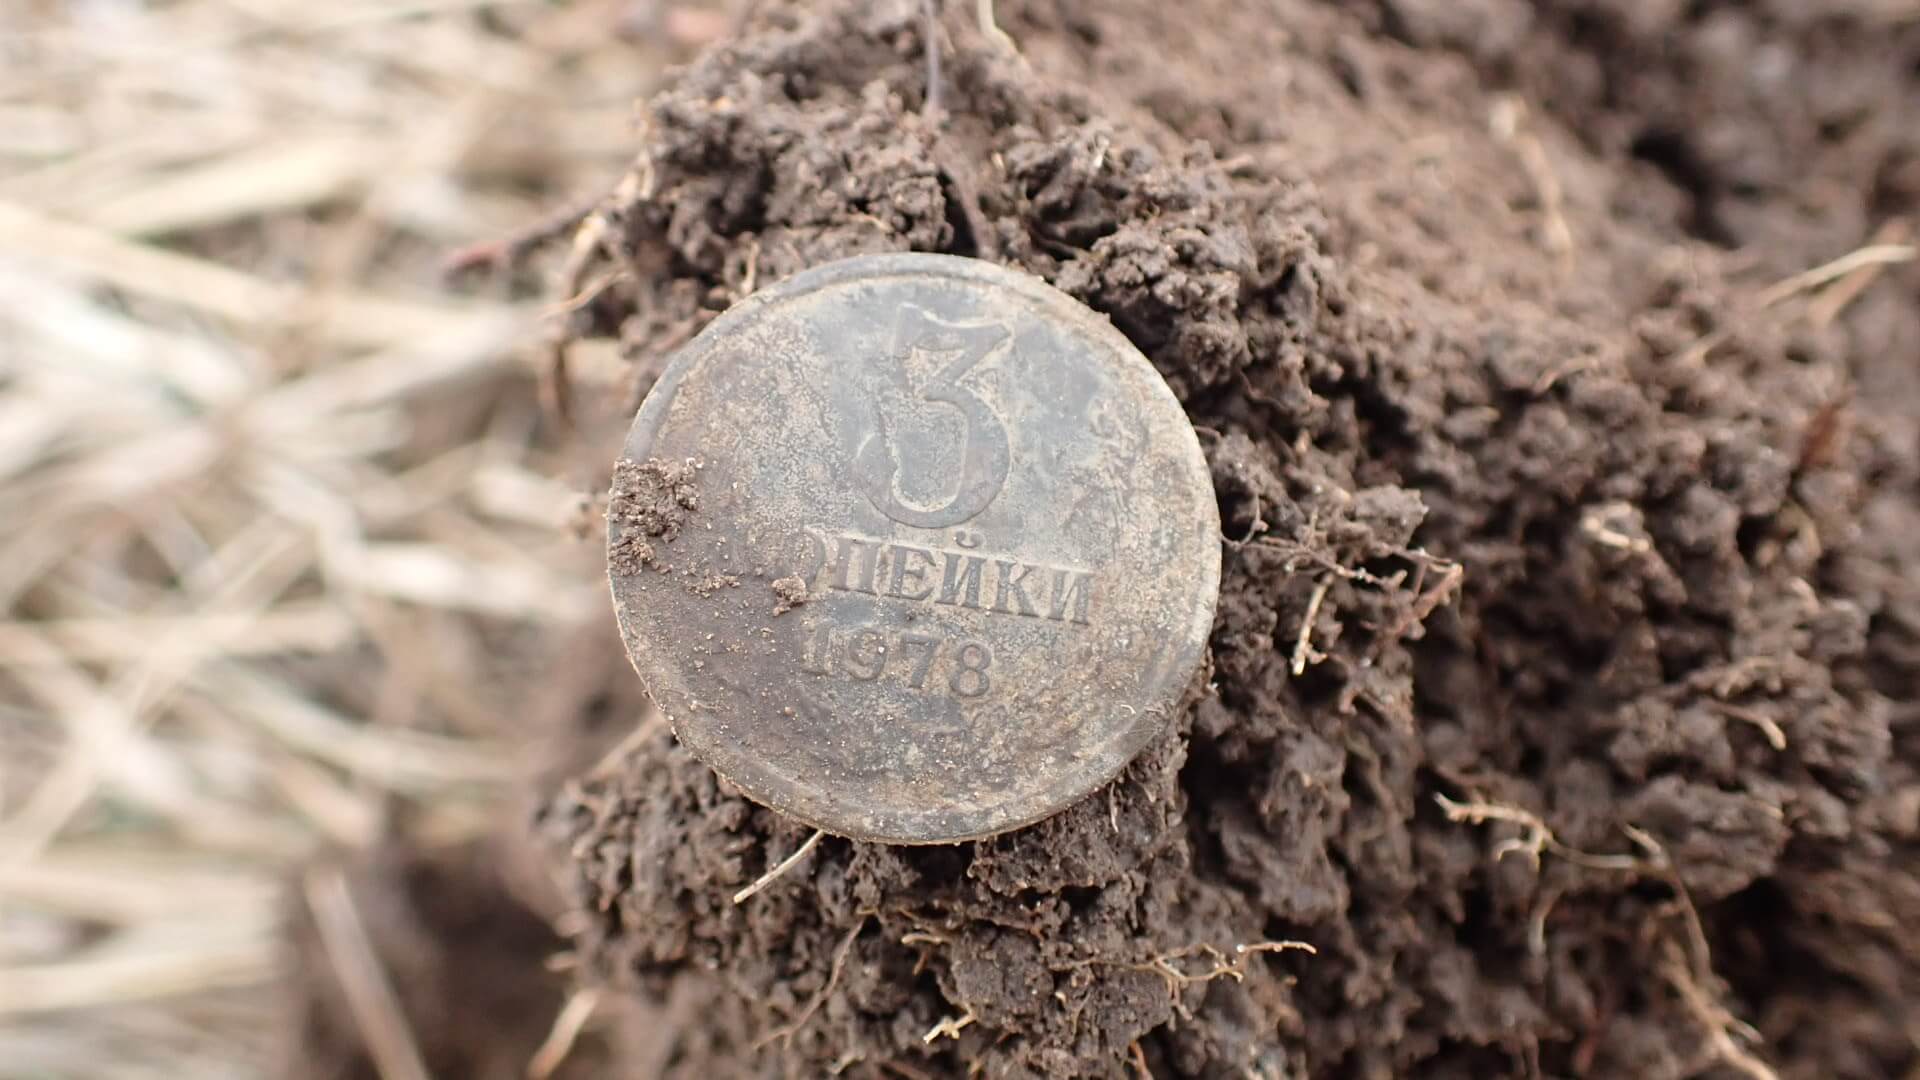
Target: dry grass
(279,527)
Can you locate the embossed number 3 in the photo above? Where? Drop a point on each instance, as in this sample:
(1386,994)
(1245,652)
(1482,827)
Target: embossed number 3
(984,457)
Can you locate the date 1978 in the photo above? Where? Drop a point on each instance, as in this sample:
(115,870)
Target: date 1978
(922,661)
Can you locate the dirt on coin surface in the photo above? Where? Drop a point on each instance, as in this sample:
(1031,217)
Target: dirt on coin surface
(1561,713)
(648,504)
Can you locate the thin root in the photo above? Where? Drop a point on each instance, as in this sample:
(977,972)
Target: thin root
(990,29)
(1684,966)
(1509,125)
(556,389)
(1776,735)
(1234,968)
(782,867)
(750,277)
(1721,1026)
(1303,647)
(1452,574)
(1813,280)
(587,295)
(930,106)
(950,1027)
(1535,839)
(1826,307)
(786,1032)
(492,256)
(612,761)
(566,1030)
(1296,550)
(1853,271)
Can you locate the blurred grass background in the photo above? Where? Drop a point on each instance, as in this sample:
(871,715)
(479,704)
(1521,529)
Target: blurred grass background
(285,539)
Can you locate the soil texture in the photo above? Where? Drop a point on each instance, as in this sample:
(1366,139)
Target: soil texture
(1561,716)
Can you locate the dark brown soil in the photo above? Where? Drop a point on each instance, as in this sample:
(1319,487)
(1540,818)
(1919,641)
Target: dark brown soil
(1596,754)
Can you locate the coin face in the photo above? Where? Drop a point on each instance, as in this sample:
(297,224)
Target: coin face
(913,548)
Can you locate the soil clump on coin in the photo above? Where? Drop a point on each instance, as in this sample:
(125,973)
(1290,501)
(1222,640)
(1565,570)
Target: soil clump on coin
(1561,716)
(788,593)
(648,505)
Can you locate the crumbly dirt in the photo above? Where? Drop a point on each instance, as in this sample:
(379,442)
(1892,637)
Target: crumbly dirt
(1562,690)
(788,593)
(647,506)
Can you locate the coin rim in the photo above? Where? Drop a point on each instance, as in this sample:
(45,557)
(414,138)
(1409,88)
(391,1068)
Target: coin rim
(1104,763)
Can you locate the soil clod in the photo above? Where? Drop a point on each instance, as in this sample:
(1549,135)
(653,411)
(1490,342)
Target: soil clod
(650,502)
(788,593)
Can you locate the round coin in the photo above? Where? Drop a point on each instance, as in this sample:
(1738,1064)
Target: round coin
(914,548)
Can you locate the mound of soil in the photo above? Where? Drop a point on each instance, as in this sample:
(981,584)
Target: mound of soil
(1562,695)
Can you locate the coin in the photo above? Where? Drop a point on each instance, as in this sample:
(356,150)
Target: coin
(914,548)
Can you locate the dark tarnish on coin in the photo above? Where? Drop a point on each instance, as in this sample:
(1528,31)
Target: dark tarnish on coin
(913,548)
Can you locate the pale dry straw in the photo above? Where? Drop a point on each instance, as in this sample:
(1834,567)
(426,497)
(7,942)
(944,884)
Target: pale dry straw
(271,499)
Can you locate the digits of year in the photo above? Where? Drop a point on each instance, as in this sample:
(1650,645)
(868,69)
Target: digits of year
(921,661)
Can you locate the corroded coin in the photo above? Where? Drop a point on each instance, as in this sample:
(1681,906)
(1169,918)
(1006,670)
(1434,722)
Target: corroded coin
(914,548)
